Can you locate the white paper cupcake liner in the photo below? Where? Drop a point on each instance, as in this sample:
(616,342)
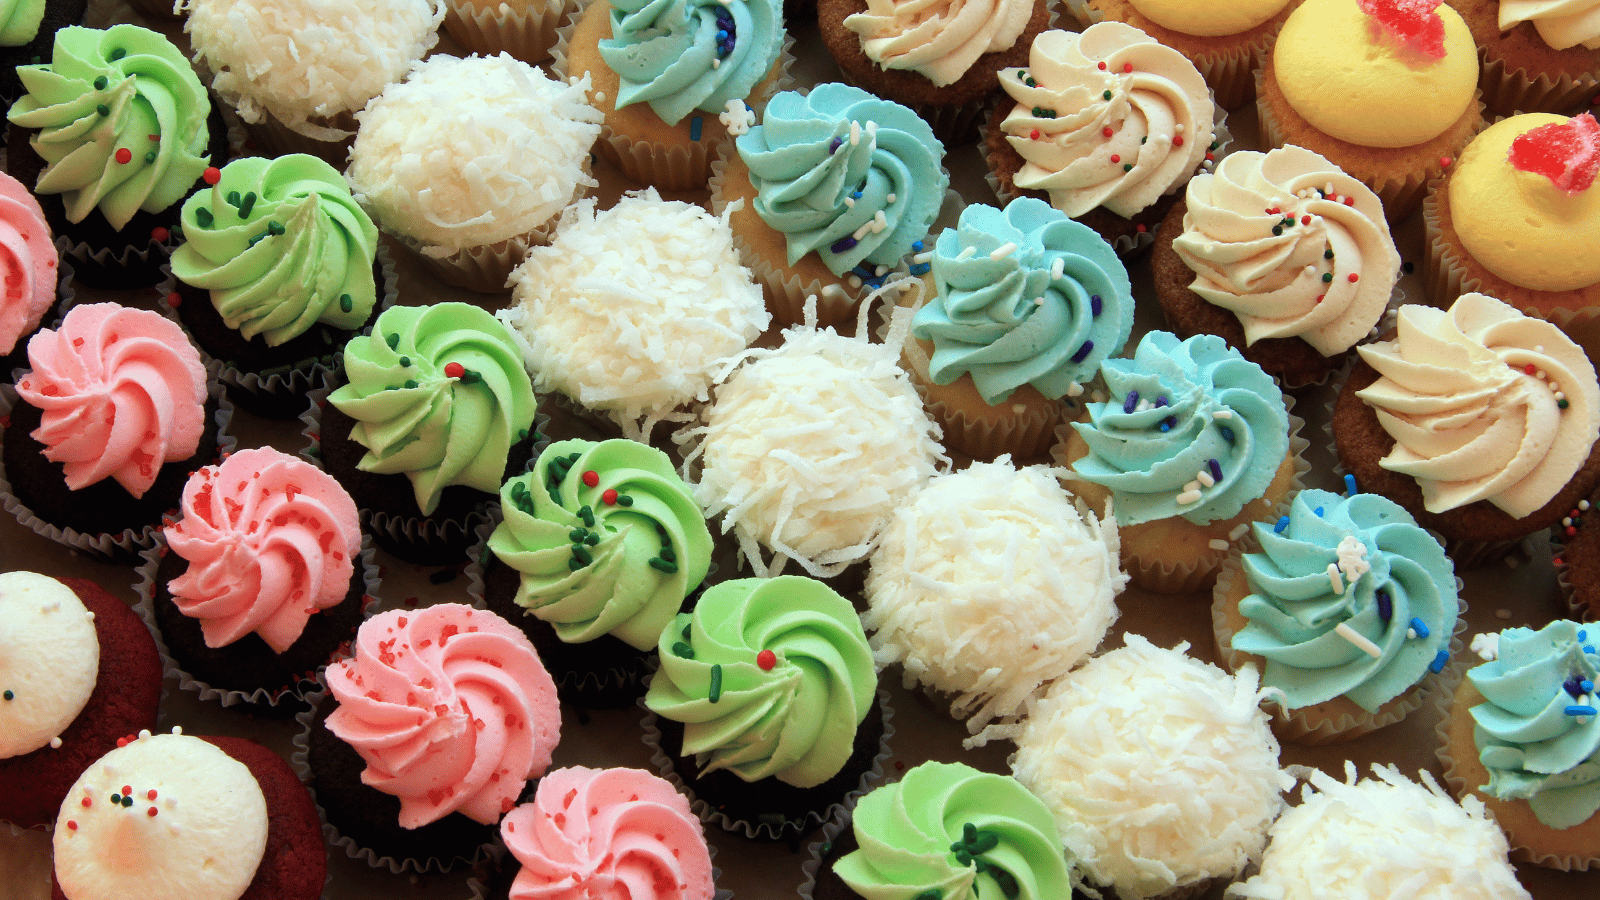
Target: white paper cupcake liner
(1577,610)
(527,31)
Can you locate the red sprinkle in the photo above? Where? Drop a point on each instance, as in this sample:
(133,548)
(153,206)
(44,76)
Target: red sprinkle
(87,803)
(1354,278)
(1530,368)
(126,790)
(766,659)
(1177,140)
(1033,135)
(124,155)
(454,370)
(591,478)
(1445,161)
(1558,561)
(1141,228)
(1102,67)
(159,234)
(71,825)
(1107,131)
(609,498)
(1210,157)
(1116,157)
(152,812)
(151,795)
(1126,68)
(1349,201)
(1305,220)
(1571,530)
(212,175)
(1320,296)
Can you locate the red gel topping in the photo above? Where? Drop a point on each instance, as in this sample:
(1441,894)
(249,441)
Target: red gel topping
(766,659)
(1413,23)
(591,478)
(212,175)
(124,155)
(609,497)
(454,370)
(1567,153)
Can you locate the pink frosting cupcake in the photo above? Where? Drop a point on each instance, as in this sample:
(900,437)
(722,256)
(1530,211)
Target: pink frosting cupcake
(29,264)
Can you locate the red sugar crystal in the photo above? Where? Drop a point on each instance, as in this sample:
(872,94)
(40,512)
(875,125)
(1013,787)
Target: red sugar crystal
(1413,23)
(1567,153)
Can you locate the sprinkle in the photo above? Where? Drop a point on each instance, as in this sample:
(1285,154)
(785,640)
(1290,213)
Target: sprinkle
(1188,497)
(1334,579)
(1130,402)
(1350,485)
(683,650)
(1106,131)
(715,693)
(766,659)
(1222,414)
(1283,522)
(1579,710)
(8,695)
(124,155)
(842,245)
(1003,251)
(1095,304)
(1344,630)
(662,565)
(1218,544)
(1327,277)
(1226,432)
(1440,659)
(1205,478)
(103,110)
(1083,352)
(1106,95)
(454,370)
(1239,531)
(1418,628)
(346,304)
(1216,469)
(1058,267)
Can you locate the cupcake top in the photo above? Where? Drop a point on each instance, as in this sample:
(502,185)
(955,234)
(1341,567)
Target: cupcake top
(770,678)
(1291,245)
(846,175)
(164,815)
(28,262)
(947,598)
(808,449)
(1209,18)
(1537,731)
(1377,73)
(1160,769)
(281,245)
(1560,23)
(1381,837)
(1192,429)
(608,540)
(630,311)
(1523,200)
(1349,597)
(120,392)
(439,394)
(1106,118)
(49,660)
(270,540)
(19,21)
(1483,403)
(951,830)
(607,834)
(1026,296)
(296,60)
(471,152)
(450,708)
(120,119)
(939,40)
(685,55)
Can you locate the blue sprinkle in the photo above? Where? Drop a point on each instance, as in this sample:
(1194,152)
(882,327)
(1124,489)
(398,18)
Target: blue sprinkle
(1587,685)
(1318,511)
(1169,423)
(722,35)
(1419,628)
(1283,522)
(1216,469)
(1227,433)
(1094,305)
(1574,686)
(1583,635)
(1576,710)
(1083,352)
(1588,648)
(843,244)
(1162,401)
(1349,485)
(694,128)
(1439,662)
(835,144)
(1130,401)
(855,195)
(920,269)
(1385,605)
(916,246)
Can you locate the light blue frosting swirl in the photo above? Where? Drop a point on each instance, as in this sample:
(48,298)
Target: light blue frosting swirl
(1294,610)
(1184,385)
(668,52)
(1011,319)
(1529,735)
(805,166)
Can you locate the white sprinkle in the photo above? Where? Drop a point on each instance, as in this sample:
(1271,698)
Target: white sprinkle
(599,96)
(1098,396)
(1074,390)
(1335,580)
(890,198)
(1218,544)
(1352,558)
(1205,478)
(1222,414)
(177,729)
(1328,189)
(1539,374)
(863,231)
(144,732)
(89,615)
(1411,634)
(1560,396)
(1003,251)
(55,743)
(880,271)
(1503,614)
(966,253)
(849,201)
(1058,267)
(1486,645)
(1178,128)
(1344,630)
(1192,486)
(855,133)
(1019,408)
(1038,301)
(879,222)
(715,62)
(1566,520)
(1538,348)
(1239,531)
(572,79)
(855,281)
(1142,406)
(1188,497)
(925,256)
(1583,505)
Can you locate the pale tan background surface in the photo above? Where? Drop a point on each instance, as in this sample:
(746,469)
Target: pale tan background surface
(1500,596)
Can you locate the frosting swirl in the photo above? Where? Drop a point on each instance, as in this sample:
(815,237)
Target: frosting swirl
(914,833)
(270,539)
(27,263)
(439,394)
(607,834)
(845,174)
(1537,731)
(1193,429)
(1112,76)
(608,539)
(1291,245)
(1483,403)
(450,708)
(670,54)
(1026,296)
(939,39)
(121,121)
(49,660)
(19,21)
(791,715)
(281,245)
(1561,23)
(120,393)
(1391,575)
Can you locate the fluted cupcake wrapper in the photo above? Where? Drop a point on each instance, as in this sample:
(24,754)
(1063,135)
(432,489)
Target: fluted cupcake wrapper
(485,888)
(66,298)
(1508,91)
(527,31)
(1577,610)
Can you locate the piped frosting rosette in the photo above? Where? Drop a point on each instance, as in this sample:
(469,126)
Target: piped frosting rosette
(607,832)
(1106,118)
(1483,403)
(28,262)
(607,538)
(683,55)
(939,39)
(1291,245)
(849,176)
(450,708)
(1192,429)
(1026,296)
(770,678)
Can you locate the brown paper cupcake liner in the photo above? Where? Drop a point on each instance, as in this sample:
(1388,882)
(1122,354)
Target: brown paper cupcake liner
(271,137)
(160,10)
(1511,91)
(527,31)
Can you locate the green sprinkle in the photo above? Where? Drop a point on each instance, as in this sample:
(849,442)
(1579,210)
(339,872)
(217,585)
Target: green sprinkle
(103,110)
(393,340)
(624,500)
(668,555)
(470,377)
(8,695)
(929,894)
(274,227)
(203,216)
(577,535)
(522,434)
(1127,167)
(258,238)
(684,650)
(1213,146)
(150,157)
(410,383)
(1327,254)
(1277,230)
(592,539)
(574,565)
(232,198)
(715,693)
(586,514)
(405,361)
(247,204)
(582,554)
(662,565)
(1327,277)
(101,82)
(345,303)
(1562,403)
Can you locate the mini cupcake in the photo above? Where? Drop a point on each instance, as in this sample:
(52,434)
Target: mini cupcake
(1194,443)
(78,672)
(1028,304)
(432,412)
(526,29)
(837,188)
(1538,56)
(34,281)
(630,312)
(293,73)
(947,599)
(1480,421)
(666,76)
(767,705)
(278,268)
(600,545)
(1347,610)
(1381,835)
(430,735)
(259,581)
(1107,125)
(1385,89)
(220,816)
(1282,255)
(27,32)
(469,161)
(1521,737)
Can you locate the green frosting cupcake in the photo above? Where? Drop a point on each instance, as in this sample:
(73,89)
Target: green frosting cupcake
(770,676)
(281,245)
(439,394)
(19,21)
(607,537)
(121,122)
